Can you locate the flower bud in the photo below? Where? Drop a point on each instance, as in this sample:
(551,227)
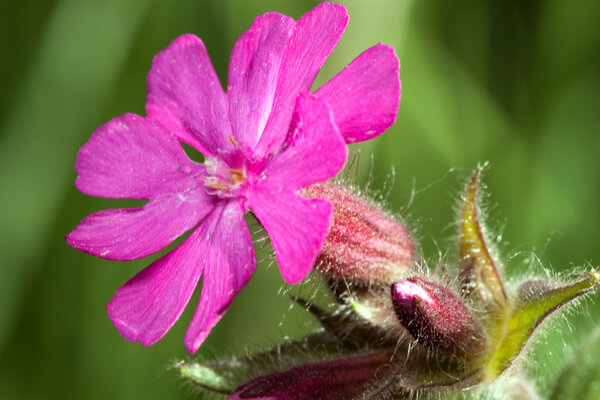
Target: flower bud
(364,244)
(338,379)
(437,318)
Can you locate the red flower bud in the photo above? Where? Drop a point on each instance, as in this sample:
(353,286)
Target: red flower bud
(437,318)
(364,244)
(328,380)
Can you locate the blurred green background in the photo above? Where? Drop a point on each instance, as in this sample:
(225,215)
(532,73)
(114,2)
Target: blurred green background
(514,83)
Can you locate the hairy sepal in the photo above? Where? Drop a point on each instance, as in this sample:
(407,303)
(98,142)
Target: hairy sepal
(338,379)
(532,304)
(365,245)
(480,275)
(225,376)
(437,318)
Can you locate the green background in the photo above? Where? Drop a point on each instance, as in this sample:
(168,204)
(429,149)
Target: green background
(510,82)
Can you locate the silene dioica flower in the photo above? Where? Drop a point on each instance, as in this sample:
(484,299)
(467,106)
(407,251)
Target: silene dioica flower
(264,140)
(399,331)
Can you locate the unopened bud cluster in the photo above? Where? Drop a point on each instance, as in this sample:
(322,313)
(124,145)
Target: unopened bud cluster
(435,335)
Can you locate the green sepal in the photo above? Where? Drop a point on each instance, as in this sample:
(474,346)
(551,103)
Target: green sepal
(534,302)
(208,377)
(480,274)
(225,376)
(352,332)
(375,308)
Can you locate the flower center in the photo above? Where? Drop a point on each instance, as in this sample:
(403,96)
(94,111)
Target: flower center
(221,180)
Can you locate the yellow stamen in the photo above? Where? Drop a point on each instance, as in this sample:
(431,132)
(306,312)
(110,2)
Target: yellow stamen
(237,175)
(233,141)
(218,186)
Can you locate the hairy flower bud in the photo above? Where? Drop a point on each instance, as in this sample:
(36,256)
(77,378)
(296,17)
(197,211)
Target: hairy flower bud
(364,244)
(466,335)
(436,317)
(331,380)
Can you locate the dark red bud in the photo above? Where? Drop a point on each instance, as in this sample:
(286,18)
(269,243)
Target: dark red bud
(437,318)
(328,380)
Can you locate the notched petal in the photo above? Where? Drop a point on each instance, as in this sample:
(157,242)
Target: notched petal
(253,70)
(314,150)
(479,270)
(314,36)
(229,262)
(297,228)
(365,95)
(185,96)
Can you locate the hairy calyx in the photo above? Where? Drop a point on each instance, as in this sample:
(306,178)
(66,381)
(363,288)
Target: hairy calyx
(401,331)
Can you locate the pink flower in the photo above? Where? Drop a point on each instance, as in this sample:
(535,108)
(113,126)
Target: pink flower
(263,140)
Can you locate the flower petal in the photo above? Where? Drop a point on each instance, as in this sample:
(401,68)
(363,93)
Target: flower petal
(146,307)
(129,234)
(132,157)
(297,228)
(365,95)
(315,150)
(228,258)
(185,95)
(253,69)
(315,35)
